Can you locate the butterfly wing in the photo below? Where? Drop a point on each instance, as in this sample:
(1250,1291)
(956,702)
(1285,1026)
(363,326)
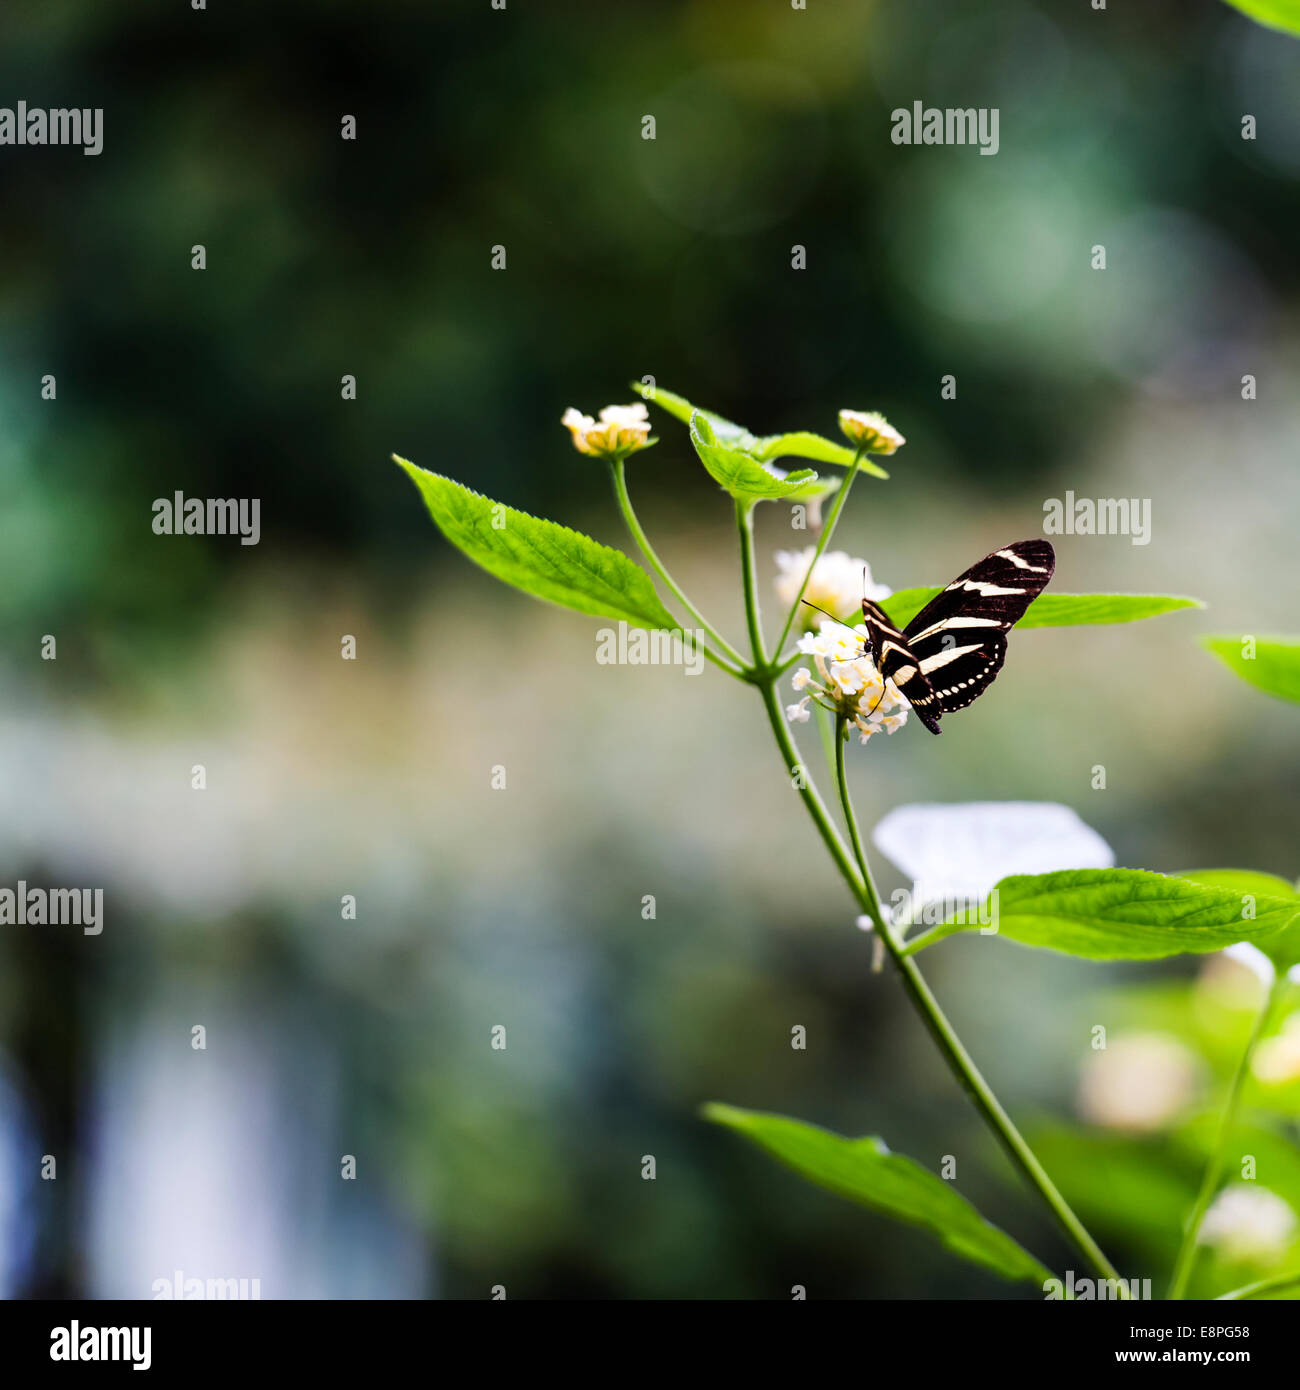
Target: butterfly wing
(959,639)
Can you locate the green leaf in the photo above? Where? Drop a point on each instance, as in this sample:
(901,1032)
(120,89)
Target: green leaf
(726,431)
(740,473)
(1277,14)
(1274,669)
(1283,948)
(806,445)
(1125,914)
(541,557)
(1244,882)
(797,444)
(864,1171)
(1057,610)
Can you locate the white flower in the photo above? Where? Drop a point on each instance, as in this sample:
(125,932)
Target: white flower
(800,713)
(1138,1083)
(870,431)
(851,686)
(622,430)
(837,584)
(1277,1060)
(958,852)
(1249,1223)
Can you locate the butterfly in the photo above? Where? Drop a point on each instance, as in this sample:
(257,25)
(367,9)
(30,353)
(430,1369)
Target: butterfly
(952,651)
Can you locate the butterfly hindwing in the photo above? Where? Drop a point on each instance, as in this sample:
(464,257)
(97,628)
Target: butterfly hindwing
(951,652)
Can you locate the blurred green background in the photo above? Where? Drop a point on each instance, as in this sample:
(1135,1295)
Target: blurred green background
(522,907)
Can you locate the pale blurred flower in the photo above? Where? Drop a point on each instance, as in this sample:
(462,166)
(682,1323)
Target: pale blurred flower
(1277,1059)
(959,852)
(850,684)
(870,431)
(1247,1222)
(1230,982)
(838,584)
(622,429)
(1248,954)
(1138,1083)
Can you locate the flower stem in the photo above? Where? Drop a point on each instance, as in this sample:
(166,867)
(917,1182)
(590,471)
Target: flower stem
(861,885)
(730,661)
(753,616)
(821,545)
(959,1060)
(1187,1251)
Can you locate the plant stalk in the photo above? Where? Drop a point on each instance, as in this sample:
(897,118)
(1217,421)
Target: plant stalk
(862,886)
(822,542)
(730,660)
(1187,1251)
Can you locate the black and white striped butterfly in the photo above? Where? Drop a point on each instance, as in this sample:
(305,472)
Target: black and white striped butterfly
(951,652)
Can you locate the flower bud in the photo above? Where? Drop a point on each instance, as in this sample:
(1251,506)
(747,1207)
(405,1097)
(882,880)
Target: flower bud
(870,432)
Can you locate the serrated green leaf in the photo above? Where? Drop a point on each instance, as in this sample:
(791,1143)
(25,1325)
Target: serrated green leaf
(541,557)
(803,444)
(1057,610)
(1125,914)
(1277,14)
(1283,948)
(864,1171)
(1274,668)
(740,473)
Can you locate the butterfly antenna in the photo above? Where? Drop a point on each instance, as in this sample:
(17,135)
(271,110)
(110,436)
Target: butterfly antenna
(822,611)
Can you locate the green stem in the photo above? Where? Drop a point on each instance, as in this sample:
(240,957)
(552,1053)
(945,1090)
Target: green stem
(730,661)
(860,883)
(753,616)
(1277,1281)
(1187,1251)
(821,545)
(924,939)
(959,1060)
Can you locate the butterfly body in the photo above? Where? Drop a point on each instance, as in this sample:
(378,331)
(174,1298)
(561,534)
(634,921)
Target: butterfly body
(950,653)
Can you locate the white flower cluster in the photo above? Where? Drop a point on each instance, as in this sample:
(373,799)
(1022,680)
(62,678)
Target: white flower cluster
(850,684)
(838,584)
(622,429)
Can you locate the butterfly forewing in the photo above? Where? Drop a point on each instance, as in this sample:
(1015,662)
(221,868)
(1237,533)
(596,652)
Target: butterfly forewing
(950,653)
